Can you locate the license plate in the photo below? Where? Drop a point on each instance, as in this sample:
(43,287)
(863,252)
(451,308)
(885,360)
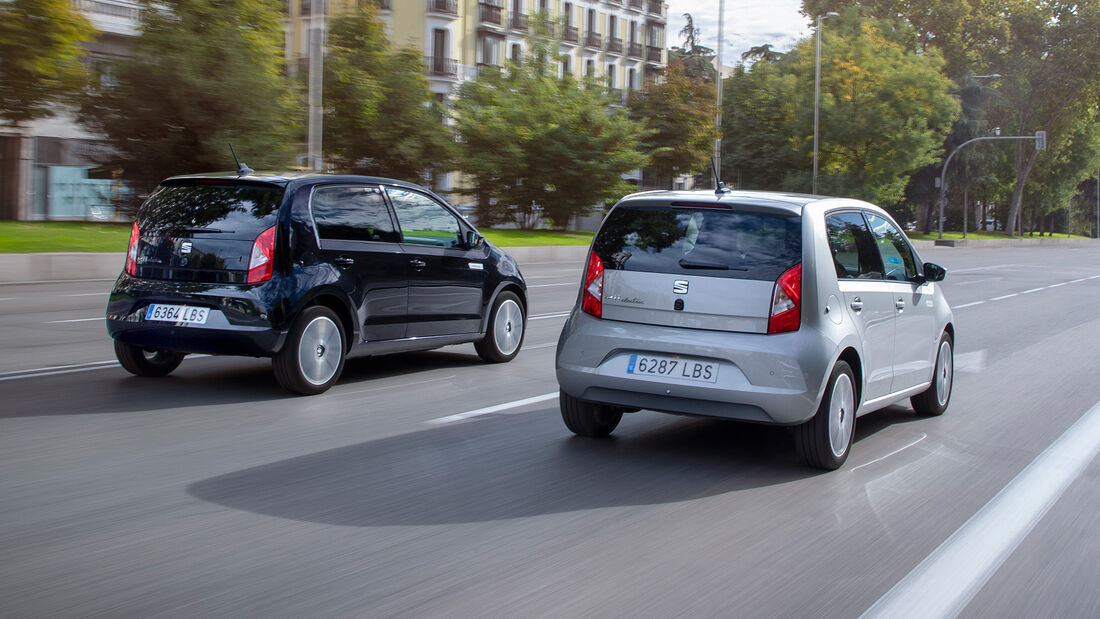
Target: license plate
(177,313)
(672,367)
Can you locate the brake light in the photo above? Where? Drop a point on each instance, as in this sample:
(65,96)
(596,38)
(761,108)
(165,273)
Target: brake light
(131,251)
(263,251)
(592,295)
(786,314)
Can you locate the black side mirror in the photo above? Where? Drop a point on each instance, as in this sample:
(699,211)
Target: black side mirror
(934,272)
(473,239)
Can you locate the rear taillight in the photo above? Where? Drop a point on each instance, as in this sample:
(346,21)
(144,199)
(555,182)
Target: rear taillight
(592,295)
(786,314)
(131,252)
(263,252)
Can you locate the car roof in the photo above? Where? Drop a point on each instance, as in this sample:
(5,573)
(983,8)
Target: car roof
(295,178)
(790,202)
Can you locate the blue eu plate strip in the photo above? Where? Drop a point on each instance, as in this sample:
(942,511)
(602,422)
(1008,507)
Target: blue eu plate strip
(630,366)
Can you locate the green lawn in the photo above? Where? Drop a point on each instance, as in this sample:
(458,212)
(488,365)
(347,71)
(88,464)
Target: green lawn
(955,235)
(76,236)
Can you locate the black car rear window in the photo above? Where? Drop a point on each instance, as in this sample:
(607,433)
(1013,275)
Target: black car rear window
(232,210)
(716,242)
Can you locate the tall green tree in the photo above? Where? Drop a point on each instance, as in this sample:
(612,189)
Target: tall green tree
(202,73)
(531,140)
(40,57)
(695,59)
(380,116)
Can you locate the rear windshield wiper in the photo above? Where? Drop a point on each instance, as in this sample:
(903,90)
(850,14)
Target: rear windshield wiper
(688,264)
(206,231)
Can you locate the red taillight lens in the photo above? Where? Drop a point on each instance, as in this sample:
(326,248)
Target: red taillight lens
(263,251)
(592,296)
(131,252)
(786,314)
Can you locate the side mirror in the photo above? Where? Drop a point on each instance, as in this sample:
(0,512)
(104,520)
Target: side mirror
(473,239)
(934,272)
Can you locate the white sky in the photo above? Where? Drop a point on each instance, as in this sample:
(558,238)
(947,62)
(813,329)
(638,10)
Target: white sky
(748,23)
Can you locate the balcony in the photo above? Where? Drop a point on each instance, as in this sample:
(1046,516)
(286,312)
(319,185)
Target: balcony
(655,8)
(636,4)
(121,17)
(614,46)
(518,22)
(635,50)
(571,35)
(445,7)
(653,54)
(490,14)
(593,40)
(442,67)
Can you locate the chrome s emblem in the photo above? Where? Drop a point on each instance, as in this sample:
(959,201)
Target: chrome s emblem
(680,286)
(185,247)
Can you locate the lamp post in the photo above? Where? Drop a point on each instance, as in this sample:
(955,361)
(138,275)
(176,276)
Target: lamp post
(718,103)
(817,89)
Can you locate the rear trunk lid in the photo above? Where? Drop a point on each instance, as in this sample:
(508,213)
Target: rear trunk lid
(695,267)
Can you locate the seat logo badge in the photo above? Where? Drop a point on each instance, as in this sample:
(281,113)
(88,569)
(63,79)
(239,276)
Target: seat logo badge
(680,286)
(185,247)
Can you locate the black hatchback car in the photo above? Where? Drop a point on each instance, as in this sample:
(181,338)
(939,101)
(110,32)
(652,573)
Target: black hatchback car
(306,269)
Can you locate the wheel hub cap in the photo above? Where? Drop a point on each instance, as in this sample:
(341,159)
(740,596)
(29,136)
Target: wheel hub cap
(319,352)
(508,330)
(841,415)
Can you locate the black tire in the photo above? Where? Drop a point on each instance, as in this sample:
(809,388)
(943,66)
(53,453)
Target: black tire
(587,418)
(149,362)
(933,401)
(313,356)
(504,331)
(825,440)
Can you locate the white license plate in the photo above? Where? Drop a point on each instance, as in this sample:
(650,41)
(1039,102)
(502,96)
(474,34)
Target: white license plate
(177,313)
(672,367)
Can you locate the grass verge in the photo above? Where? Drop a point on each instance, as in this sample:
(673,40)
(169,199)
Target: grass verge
(955,235)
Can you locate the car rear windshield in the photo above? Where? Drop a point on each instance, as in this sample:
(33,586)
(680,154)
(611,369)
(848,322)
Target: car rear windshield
(231,210)
(715,242)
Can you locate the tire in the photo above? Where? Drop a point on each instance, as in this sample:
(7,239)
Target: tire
(505,332)
(933,401)
(313,357)
(587,418)
(825,440)
(149,362)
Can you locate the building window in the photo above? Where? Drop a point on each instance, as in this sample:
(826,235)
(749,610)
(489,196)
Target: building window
(517,52)
(611,76)
(590,68)
(632,81)
(565,69)
(488,50)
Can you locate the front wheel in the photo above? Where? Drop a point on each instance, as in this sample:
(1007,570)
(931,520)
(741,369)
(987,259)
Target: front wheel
(505,333)
(933,401)
(147,362)
(313,356)
(587,418)
(825,440)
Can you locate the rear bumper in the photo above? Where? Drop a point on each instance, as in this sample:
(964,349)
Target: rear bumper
(239,321)
(774,379)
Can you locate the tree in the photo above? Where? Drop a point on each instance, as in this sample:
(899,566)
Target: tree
(761,52)
(380,118)
(530,139)
(679,113)
(40,57)
(202,73)
(696,60)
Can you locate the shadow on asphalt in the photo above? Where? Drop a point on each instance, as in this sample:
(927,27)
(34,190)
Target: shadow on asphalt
(516,466)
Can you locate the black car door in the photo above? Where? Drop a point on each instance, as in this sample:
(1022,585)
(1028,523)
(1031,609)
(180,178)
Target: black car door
(358,239)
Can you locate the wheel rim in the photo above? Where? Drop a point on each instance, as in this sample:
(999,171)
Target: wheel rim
(508,327)
(320,350)
(842,415)
(944,373)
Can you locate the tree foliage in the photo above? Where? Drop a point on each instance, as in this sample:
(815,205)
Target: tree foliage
(40,57)
(532,140)
(202,73)
(380,117)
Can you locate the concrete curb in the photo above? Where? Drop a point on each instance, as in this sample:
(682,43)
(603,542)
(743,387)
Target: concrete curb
(1045,241)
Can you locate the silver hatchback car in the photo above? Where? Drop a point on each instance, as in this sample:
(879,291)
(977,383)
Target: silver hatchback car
(774,308)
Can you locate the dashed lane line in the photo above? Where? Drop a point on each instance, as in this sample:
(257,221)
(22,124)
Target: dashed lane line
(488,410)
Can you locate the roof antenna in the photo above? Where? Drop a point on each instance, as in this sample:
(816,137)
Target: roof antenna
(242,169)
(719,187)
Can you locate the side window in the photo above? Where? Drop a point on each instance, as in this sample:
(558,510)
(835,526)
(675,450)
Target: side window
(897,256)
(423,221)
(352,214)
(853,248)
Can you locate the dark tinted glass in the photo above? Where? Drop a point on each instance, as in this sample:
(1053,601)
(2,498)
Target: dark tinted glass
(423,220)
(711,242)
(853,247)
(230,210)
(352,214)
(897,257)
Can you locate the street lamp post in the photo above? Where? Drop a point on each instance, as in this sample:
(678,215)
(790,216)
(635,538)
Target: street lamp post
(817,89)
(718,82)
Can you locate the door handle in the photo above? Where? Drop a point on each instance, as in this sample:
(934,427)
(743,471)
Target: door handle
(900,304)
(344,261)
(857,305)
(417,263)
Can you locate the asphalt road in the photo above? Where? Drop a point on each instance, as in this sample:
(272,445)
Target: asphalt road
(434,485)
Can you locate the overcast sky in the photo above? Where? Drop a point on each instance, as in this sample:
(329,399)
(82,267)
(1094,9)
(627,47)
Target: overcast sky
(748,23)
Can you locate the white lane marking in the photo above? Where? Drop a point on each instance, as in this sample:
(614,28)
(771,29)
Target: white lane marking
(1078,281)
(969,304)
(538,346)
(1032,290)
(7,299)
(1057,285)
(970,361)
(552,285)
(54,322)
(87,294)
(61,367)
(58,281)
(946,580)
(988,268)
(1095,277)
(896,451)
(545,316)
(1007,296)
(69,369)
(493,409)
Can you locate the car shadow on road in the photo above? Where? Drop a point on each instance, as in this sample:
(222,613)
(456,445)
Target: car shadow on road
(488,469)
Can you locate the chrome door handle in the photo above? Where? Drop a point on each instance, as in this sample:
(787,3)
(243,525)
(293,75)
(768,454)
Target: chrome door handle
(344,261)
(857,305)
(417,263)
(900,304)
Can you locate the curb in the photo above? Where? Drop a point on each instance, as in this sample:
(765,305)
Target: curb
(1021,242)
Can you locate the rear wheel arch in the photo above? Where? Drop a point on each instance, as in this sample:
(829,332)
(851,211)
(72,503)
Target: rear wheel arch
(851,356)
(343,312)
